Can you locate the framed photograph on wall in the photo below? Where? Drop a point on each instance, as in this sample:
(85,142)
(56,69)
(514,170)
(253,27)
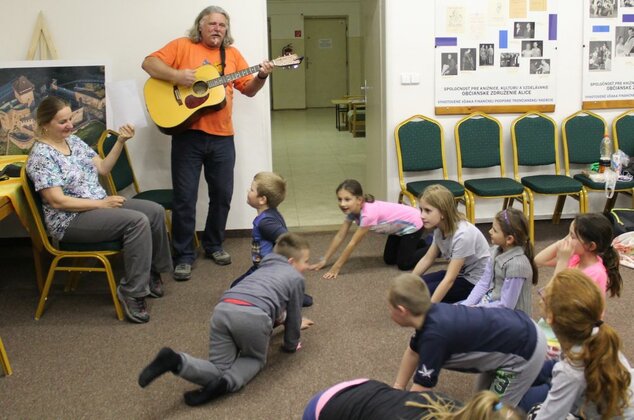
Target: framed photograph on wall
(493,58)
(23,84)
(608,55)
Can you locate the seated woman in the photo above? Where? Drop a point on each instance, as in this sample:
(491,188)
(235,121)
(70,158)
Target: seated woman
(65,171)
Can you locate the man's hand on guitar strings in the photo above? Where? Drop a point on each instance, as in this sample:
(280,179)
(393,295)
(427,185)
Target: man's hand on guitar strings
(266,68)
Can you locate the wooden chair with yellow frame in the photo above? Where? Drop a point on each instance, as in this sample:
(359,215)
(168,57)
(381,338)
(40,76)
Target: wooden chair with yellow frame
(479,145)
(4,360)
(583,132)
(623,135)
(420,152)
(122,177)
(100,251)
(535,144)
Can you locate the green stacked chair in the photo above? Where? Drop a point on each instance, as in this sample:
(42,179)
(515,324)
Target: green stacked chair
(479,145)
(623,135)
(534,137)
(122,177)
(420,148)
(583,132)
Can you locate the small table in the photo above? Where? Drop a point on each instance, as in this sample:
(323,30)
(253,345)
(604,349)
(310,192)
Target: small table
(342,106)
(12,198)
(341,113)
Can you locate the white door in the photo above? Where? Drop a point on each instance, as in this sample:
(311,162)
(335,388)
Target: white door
(326,60)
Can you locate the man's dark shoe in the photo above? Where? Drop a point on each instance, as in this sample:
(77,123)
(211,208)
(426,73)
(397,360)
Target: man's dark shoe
(156,285)
(308,301)
(135,308)
(183,272)
(221,257)
(212,390)
(167,360)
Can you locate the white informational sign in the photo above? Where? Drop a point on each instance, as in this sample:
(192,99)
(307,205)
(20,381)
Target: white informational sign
(493,53)
(608,53)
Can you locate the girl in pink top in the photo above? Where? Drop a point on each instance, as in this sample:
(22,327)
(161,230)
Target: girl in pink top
(587,247)
(402,223)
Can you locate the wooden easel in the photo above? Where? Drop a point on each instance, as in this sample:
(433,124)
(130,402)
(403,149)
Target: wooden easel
(42,39)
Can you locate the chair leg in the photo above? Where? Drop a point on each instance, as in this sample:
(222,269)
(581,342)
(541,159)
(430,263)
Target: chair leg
(561,200)
(113,287)
(526,201)
(531,216)
(609,203)
(4,360)
(47,288)
(73,277)
(508,202)
(37,259)
(470,207)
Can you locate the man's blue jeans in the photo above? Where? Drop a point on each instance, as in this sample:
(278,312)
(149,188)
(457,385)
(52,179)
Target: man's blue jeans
(192,151)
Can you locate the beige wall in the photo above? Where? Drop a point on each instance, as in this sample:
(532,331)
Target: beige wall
(121,33)
(285,17)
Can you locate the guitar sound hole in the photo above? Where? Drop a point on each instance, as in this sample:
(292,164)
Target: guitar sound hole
(199,88)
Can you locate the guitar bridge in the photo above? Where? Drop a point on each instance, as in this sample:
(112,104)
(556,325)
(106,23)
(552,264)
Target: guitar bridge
(177,95)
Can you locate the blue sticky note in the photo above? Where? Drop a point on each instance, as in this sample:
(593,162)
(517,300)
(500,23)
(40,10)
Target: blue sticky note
(628,18)
(552,27)
(504,39)
(446,41)
(600,28)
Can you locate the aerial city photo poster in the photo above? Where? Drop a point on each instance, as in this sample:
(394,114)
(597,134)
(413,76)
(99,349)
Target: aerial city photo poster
(23,84)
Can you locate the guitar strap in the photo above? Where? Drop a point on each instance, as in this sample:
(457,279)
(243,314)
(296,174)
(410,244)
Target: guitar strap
(222,60)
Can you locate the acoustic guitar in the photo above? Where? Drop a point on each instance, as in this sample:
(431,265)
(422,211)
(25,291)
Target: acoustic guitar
(173,108)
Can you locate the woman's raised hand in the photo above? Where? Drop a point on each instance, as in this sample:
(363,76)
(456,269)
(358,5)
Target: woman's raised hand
(126,132)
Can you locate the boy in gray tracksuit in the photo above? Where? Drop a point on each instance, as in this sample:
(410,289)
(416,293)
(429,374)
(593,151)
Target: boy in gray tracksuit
(241,326)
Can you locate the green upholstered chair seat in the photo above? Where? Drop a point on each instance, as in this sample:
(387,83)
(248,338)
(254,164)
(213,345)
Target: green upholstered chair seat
(585,180)
(162,197)
(418,187)
(494,187)
(552,184)
(91,246)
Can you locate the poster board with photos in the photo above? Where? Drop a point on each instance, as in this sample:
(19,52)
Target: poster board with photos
(23,84)
(608,54)
(495,56)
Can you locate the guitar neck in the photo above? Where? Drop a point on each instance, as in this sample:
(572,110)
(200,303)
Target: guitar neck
(233,76)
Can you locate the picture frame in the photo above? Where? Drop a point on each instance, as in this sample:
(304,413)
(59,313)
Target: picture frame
(23,84)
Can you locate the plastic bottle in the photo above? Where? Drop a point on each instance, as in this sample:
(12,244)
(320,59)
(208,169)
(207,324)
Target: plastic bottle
(606,153)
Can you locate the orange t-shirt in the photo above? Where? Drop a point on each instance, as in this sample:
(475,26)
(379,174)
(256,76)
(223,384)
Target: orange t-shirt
(182,53)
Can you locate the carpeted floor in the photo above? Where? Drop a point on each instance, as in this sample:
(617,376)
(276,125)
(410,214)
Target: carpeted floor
(78,361)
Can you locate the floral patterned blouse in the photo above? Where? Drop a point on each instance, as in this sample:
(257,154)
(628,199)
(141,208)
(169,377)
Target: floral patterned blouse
(75,174)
